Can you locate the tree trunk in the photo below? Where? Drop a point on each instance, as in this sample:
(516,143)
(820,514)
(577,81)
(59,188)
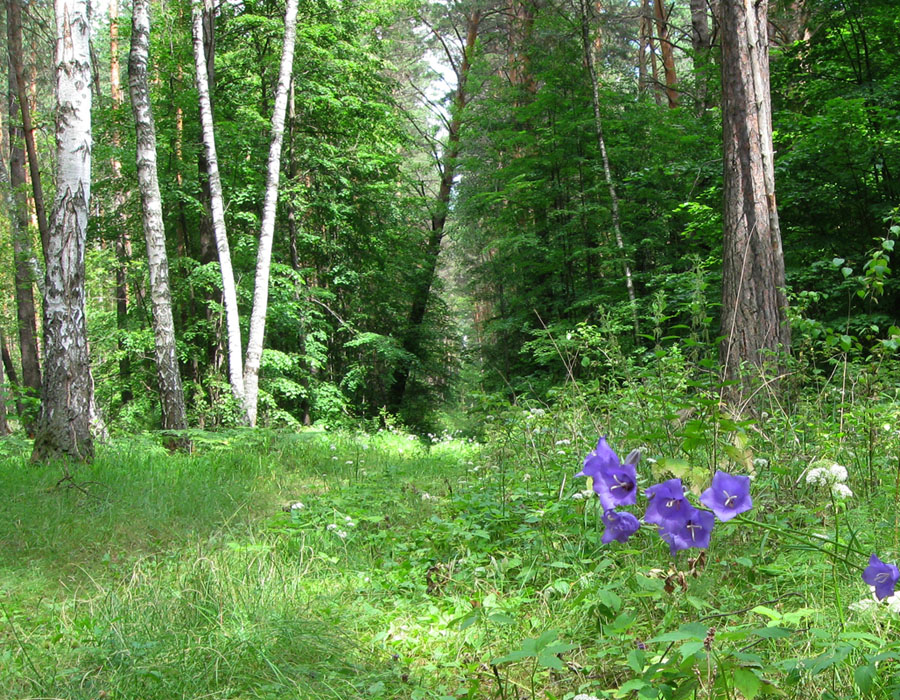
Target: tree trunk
(229,290)
(64,426)
(16,65)
(753,301)
(665,47)
(422,290)
(607,172)
(267,229)
(171,394)
(700,42)
(16,205)
(10,368)
(4,426)
(123,239)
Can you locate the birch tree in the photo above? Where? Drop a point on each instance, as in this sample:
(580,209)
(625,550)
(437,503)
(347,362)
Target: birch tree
(754,305)
(229,289)
(267,229)
(64,426)
(171,394)
(587,49)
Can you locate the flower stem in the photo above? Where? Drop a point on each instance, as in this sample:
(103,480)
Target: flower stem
(798,538)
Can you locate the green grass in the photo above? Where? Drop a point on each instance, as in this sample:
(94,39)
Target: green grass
(422,571)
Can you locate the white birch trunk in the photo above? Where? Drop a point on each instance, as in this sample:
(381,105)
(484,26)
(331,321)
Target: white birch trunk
(63,428)
(171,395)
(267,229)
(229,290)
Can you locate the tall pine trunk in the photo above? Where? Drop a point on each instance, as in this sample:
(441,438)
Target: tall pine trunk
(171,394)
(64,426)
(17,66)
(267,229)
(17,207)
(229,289)
(754,305)
(668,53)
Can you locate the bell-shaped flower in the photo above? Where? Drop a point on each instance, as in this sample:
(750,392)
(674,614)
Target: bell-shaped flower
(882,576)
(693,531)
(601,458)
(668,506)
(727,496)
(616,486)
(619,526)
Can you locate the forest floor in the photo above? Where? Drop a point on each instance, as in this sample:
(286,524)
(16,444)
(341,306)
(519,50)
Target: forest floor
(339,565)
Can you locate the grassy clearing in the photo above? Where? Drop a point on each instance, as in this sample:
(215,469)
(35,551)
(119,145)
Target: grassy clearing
(449,570)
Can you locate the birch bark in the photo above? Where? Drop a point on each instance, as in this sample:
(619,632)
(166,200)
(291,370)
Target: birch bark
(64,426)
(171,394)
(229,289)
(267,232)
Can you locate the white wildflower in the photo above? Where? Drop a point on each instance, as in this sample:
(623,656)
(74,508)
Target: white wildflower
(526,477)
(349,521)
(862,605)
(297,506)
(560,452)
(841,491)
(817,476)
(564,441)
(893,604)
(331,526)
(342,534)
(838,473)
(334,459)
(761,462)
(578,496)
(427,496)
(332,448)
(349,461)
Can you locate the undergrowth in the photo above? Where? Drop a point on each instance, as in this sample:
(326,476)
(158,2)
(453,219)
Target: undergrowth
(341,565)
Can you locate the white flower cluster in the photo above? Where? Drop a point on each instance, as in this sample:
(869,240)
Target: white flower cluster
(891,604)
(297,506)
(832,475)
(340,533)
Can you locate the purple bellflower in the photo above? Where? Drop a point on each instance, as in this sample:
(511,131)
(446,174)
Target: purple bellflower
(693,531)
(727,496)
(619,526)
(668,507)
(617,486)
(883,576)
(601,458)
(615,483)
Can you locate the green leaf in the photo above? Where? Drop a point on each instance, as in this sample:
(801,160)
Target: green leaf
(548,660)
(692,630)
(864,677)
(516,655)
(747,682)
(688,649)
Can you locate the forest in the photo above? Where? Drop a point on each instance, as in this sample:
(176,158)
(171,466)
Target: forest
(378,348)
